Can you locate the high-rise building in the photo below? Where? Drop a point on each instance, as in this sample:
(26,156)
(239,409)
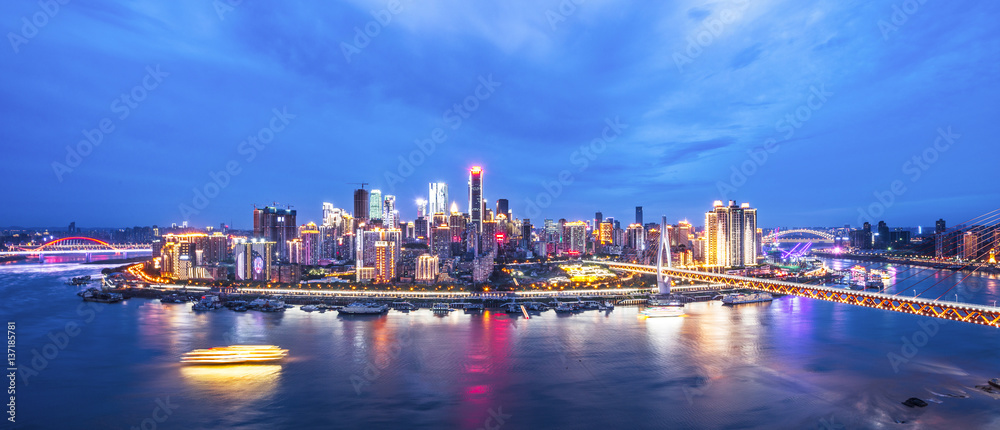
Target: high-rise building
(605,229)
(438,197)
(598,219)
(441,241)
(575,237)
(940,226)
(389,215)
(489,237)
(385,261)
(476,203)
(375,205)
(526,233)
(421,208)
(275,225)
(361,205)
(253,259)
(638,215)
(882,235)
(635,237)
(427,268)
(731,235)
(503,208)
(310,251)
(969,245)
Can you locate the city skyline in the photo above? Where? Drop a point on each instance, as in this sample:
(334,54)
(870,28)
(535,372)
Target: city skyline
(847,120)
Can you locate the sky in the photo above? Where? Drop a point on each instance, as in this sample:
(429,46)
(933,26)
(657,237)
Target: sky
(819,113)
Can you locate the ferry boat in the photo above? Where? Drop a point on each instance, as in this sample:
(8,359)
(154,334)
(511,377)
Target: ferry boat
(440,308)
(738,299)
(235,354)
(662,311)
(358,308)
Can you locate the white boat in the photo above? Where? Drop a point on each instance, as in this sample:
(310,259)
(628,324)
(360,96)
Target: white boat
(440,307)
(309,308)
(564,308)
(738,299)
(404,306)
(358,308)
(662,311)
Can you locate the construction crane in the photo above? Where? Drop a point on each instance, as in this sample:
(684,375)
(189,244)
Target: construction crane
(359,183)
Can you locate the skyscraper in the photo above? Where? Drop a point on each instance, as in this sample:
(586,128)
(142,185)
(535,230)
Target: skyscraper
(361,205)
(638,215)
(503,208)
(575,234)
(731,232)
(438,197)
(375,205)
(275,225)
(476,203)
(389,219)
(940,226)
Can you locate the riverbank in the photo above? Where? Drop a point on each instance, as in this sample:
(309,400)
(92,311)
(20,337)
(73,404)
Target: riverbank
(982,268)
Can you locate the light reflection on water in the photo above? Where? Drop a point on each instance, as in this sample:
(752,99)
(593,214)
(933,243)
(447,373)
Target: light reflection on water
(791,363)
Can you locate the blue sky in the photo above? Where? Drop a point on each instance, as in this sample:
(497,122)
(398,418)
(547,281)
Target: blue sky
(695,85)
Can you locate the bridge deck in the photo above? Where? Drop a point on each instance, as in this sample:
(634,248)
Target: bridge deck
(965,312)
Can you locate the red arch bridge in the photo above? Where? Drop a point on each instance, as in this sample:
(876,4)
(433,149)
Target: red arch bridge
(965,312)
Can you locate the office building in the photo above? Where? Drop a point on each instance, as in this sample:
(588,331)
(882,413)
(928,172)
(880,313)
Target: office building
(575,237)
(940,226)
(375,203)
(638,215)
(476,204)
(253,259)
(503,208)
(438,197)
(275,225)
(390,217)
(361,205)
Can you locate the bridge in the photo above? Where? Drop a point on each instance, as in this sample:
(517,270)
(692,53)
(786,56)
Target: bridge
(965,312)
(823,236)
(78,245)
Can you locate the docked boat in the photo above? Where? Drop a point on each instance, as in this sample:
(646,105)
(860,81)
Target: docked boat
(739,299)
(95,295)
(404,306)
(564,308)
(473,307)
(235,354)
(173,298)
(309,308)
(358,308)
(662,311)
(440,308)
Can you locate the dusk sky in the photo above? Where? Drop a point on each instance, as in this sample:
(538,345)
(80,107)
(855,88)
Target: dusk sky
(848,91)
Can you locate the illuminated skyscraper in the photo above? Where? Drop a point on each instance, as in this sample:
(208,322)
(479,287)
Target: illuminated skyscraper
(253,259)
(731,233)
(385,261)
(438,197)
(503,208)
(375,205)
(421,208)
(635,237)
(638,215)
(389,219)
(575,237)
(476,203)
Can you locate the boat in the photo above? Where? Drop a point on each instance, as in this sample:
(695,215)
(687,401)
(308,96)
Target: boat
(995,382)
(404,306)
(240,308)
(511,307)
(95,295)
(563,308)
(309,308)
(358,308)
(738,299)
(235,354)
(79,280)
(440,308)
(473,307)
(662,311)
(207,303)
(173,298)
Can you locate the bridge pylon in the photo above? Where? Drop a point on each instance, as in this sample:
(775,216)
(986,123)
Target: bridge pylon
(663,282)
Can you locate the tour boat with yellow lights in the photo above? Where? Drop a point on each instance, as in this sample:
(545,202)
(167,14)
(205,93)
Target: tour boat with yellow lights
(662,311)
(235,354)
